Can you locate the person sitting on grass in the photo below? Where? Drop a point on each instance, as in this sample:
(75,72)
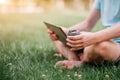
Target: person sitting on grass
(100,46)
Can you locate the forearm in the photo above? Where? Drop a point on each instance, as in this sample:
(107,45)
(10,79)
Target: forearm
(107,34)
(83,26)
(89,22)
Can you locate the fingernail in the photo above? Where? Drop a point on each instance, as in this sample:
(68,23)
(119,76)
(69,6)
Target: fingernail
(66,39)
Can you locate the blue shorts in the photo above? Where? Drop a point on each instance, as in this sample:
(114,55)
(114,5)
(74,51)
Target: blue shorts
(117,40)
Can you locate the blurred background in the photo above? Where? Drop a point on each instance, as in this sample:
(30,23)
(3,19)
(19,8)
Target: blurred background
(26,51)
(39,6)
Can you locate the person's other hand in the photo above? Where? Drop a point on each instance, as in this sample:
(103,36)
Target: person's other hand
(80,41)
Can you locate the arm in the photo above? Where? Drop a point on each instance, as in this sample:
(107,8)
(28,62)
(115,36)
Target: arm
(89,22)
(86,25)
(106,34)
(86,38)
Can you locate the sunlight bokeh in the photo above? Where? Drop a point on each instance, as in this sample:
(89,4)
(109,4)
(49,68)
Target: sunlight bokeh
(3,1)
(38,6)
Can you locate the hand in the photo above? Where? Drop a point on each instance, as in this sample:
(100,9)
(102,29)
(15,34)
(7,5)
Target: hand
(53,36)
(80,41)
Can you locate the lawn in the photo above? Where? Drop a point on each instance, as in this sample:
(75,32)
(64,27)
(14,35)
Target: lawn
(26,52)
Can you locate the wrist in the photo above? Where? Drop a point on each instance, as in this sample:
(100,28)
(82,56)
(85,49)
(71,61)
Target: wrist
(95,38)
(99,37)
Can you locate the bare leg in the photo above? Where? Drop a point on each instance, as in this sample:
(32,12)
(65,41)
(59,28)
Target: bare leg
(65,51)
(73,59)
(95,54)
(104,51)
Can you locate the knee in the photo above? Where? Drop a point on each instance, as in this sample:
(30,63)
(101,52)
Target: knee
(96,48)
(100,47)
(95,52)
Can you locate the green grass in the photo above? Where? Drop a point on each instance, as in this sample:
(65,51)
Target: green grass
(26,52)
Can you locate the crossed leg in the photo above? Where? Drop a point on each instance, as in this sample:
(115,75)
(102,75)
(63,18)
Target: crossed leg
(72,58)
(65,51)
(95,54)
(100,52)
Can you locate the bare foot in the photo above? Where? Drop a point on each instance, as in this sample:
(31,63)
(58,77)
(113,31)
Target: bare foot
(68,64)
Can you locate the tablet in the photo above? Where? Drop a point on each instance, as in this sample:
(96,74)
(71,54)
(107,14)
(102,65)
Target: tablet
(57,30)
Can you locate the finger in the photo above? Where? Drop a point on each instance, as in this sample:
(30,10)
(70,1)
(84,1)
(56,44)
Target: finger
(75,49)
(50,35)
(74,45)
(50,31)
(55,36)
(77,37)
(73,41)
